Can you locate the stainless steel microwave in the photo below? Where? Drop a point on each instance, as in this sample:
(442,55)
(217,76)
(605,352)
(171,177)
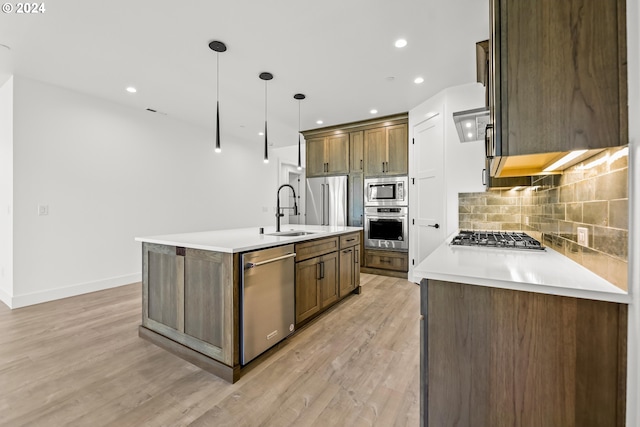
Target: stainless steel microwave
(387,191)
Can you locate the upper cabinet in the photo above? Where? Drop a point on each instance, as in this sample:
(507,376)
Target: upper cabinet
(371,147)
(386,151)
(356,141)
(328,155)
(558,81)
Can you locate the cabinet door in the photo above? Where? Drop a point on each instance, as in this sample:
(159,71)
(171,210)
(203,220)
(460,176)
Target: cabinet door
(208,297)
(337,154)
(398,147)
(356,147)
(307,289)
(165,286)
(315,157)
(569,92)
(329,279)
(346,271)
(375,152)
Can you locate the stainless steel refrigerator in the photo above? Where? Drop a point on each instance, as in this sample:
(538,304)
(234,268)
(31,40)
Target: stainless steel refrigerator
(326,202)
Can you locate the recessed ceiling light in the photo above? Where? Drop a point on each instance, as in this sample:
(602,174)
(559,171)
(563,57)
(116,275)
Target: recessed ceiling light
(260,133)
(319,122)
(469,135)
(401,43)
(418,80)
(374,111)
(131,89)
(468,124)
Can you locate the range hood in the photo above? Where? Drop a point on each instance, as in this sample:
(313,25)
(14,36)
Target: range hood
(471,124)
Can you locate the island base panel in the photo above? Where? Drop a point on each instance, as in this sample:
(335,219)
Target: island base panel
(227,373)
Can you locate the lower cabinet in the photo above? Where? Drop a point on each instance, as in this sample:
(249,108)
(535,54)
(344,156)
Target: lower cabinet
(387,260)
(188,297)
(499,357)
(316,285)
(326,270)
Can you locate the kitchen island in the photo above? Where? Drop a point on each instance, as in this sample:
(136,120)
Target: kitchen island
(191,286)
(517,337)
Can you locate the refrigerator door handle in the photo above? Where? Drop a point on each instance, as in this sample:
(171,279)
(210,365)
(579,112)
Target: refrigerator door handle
(328,193)
(322,195)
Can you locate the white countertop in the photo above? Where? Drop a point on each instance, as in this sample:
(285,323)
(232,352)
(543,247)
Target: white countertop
(245,239)
(547,272)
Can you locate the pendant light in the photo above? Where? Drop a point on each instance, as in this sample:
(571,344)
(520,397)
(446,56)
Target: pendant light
(299,97)
(266,77)
(218,47)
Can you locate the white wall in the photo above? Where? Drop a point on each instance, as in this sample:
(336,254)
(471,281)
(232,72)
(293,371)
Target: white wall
(6,191)
(463,162)
(109,173)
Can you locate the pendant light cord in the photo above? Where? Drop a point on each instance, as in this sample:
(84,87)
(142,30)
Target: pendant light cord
(217,76)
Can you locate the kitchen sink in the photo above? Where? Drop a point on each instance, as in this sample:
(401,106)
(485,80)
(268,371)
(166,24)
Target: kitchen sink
(292,233)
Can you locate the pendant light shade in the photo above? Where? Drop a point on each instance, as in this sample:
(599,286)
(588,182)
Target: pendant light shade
(299,97)
(266,77)
(218,47)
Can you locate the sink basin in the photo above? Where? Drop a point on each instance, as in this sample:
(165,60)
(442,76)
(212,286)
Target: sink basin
(292,233)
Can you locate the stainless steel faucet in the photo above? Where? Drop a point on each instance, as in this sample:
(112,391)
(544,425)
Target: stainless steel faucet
(278,208)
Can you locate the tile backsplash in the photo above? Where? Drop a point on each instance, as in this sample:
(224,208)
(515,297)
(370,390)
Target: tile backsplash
(592,194)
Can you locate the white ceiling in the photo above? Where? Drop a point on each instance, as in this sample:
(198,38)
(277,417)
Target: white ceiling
(340,53)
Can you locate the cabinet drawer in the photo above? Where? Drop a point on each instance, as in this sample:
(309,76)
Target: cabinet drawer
(349,240)
(387,260)
(315,248)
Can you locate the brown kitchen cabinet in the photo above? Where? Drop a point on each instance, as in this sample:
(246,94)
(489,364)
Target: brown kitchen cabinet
(356,151)
(558,80)
(317,276)
(498,357)
(386,151)
(328,155)
(349,263)
(386,260)
(188,297)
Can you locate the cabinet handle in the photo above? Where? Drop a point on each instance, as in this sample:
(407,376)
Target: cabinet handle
(351,240)
(385,260)
(484,172)
(360,164)
(318,276)
(488,148)
(322,269)
(382,167)
(356,255)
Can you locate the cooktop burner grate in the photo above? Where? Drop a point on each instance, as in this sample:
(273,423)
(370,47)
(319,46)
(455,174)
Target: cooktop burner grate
(497,239)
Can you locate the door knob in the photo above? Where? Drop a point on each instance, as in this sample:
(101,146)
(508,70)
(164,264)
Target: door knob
(435,226)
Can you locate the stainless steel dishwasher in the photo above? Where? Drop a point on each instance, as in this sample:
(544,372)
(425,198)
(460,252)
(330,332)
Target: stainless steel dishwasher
(268,299)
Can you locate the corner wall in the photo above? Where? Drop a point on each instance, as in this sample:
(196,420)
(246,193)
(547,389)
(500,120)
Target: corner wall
(6,191)
(109,173)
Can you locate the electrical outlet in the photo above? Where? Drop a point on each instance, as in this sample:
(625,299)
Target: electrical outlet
(43,210)
(526,220)
(583,236)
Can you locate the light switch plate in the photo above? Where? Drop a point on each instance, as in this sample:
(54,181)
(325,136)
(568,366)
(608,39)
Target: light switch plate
(583,236)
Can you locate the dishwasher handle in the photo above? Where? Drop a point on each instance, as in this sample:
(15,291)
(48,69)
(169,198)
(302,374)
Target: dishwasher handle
(268,261)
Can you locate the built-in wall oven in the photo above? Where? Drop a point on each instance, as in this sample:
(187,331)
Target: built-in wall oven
(386,227)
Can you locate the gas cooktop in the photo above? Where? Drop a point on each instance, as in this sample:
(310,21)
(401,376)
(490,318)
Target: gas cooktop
(497,239)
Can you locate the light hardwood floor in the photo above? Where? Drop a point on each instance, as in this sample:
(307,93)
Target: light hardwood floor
(79,361)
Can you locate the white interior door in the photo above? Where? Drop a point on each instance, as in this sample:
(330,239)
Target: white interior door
(427,191)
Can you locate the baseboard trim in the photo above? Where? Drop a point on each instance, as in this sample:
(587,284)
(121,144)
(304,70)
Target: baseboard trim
(25,300)
(5,298)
